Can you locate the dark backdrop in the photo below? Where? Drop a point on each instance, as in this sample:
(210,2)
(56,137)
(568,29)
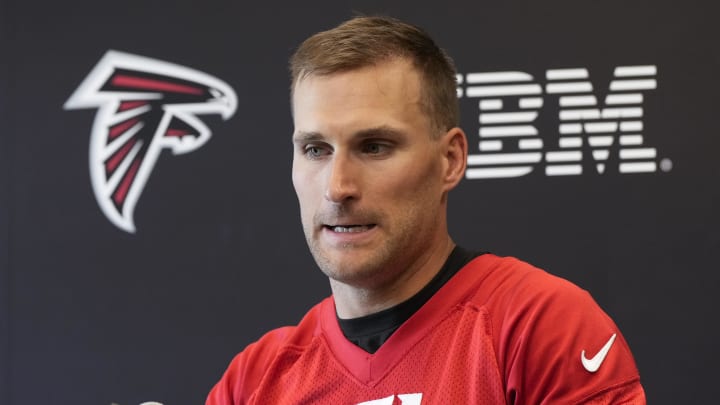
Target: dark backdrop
(91,314)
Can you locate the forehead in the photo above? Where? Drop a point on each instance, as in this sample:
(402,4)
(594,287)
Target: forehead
(384,90)
(378,68)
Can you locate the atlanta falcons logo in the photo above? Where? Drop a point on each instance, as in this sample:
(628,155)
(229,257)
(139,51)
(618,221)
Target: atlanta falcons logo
(143,106)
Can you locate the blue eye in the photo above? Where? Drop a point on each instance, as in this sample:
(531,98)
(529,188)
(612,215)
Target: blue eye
(375,148)
(314,151)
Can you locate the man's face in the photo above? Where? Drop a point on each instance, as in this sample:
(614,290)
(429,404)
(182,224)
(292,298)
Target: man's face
(368,173)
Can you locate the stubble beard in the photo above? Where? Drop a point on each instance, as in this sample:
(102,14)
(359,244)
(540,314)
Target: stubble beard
(365,267)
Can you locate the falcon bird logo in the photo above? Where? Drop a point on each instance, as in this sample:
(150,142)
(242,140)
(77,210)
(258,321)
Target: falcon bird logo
(143,106)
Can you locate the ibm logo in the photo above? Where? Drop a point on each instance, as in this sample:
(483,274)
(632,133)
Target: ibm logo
(510,102)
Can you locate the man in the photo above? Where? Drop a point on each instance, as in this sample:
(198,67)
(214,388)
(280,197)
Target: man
(413,318)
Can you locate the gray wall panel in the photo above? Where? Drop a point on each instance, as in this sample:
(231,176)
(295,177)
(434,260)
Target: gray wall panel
(6,135)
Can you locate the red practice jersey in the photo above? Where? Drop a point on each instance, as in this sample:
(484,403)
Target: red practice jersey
(499,332)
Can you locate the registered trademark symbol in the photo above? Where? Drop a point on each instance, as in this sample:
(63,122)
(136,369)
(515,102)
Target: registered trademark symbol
(666,165)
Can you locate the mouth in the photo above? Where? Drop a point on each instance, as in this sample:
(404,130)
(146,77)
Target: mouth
(349,228)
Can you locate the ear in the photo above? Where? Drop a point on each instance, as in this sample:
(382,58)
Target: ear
(455,154)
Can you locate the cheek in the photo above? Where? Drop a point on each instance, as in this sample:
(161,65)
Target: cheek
(296,184)
(418,181)
(295,174)
(305,190)
(300,179)
(406,201)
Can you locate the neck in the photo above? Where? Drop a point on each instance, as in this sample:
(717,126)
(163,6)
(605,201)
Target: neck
(354,301)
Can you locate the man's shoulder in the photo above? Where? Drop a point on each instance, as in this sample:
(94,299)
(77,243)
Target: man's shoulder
(277,346)
(510,289)
(292,337)
(508,277)
(543,328)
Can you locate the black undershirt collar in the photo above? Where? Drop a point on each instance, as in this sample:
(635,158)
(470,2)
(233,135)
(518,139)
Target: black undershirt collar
(371,331)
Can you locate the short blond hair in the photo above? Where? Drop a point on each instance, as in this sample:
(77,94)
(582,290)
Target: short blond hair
(364,41)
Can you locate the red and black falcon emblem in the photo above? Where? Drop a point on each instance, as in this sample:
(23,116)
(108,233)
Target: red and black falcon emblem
(143,106)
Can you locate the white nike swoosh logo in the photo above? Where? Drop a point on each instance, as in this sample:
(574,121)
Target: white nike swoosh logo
(592,365)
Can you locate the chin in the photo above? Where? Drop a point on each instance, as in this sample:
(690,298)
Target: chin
(356,270)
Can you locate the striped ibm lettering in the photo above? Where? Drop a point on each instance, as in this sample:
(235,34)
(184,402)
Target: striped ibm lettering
(510,102)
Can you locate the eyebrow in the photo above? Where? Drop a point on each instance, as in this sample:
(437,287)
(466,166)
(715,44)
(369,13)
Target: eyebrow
(382,131)
(303,136)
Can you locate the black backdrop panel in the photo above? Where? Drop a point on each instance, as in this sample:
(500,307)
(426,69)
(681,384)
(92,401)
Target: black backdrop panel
(6,131)
(91,314)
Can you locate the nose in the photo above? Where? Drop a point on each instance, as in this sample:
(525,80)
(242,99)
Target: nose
(342,179)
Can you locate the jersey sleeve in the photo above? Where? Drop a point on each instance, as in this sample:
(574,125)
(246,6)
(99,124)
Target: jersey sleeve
(246,370)
(556,346)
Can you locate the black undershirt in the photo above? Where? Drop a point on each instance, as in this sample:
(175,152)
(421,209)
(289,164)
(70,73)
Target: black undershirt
(371,331)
